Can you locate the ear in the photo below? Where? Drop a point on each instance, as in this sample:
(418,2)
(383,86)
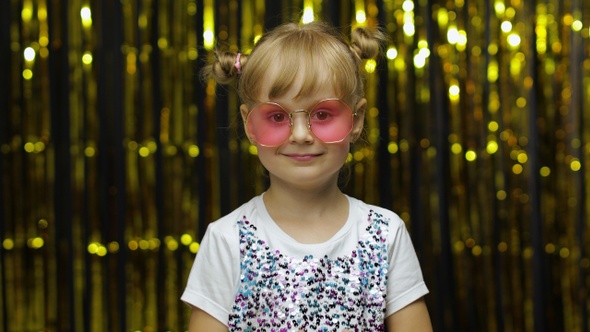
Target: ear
(244,110)
(359,119)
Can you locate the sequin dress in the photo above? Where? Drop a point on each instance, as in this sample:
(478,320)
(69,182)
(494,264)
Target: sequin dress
(252,276)
(281,293)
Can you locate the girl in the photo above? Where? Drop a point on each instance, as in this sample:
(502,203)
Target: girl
(303,256)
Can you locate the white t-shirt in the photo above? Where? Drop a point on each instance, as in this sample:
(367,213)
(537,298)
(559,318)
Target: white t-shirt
(231,279)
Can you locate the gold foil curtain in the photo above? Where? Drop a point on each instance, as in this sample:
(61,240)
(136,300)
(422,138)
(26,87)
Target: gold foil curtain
(114,155)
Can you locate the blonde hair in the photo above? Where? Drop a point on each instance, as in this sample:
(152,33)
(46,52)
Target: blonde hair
(292,49)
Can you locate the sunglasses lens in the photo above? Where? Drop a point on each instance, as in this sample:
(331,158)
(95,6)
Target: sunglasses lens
(330,120)
(269,124)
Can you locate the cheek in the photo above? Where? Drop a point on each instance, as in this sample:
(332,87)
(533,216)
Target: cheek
(342,150)
(265,155)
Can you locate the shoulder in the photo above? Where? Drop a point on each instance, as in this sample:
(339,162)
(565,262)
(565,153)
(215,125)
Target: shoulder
(228,225)
(386,222)
(375,212)
(216,269)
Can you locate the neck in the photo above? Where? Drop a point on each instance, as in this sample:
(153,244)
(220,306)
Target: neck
(304,204)
(309,213)
(286,195)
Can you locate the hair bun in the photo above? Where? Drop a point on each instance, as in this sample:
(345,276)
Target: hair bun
(367,44)
(224,69)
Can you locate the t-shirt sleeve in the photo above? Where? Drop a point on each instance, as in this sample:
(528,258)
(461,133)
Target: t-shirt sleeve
(405,283)
(213,276)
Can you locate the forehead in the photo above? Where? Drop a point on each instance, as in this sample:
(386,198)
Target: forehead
(303,86)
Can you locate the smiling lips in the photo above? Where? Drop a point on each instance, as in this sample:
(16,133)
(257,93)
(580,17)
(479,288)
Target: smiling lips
(302,156)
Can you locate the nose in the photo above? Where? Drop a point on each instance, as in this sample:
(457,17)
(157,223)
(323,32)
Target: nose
(300,131)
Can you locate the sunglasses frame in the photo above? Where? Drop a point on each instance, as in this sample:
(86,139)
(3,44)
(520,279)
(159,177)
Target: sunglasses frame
(308,112)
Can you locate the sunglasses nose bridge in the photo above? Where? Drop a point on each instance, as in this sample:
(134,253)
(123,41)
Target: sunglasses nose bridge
(308,124)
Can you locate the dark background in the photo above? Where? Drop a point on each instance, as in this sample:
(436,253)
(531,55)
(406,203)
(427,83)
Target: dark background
(114,155)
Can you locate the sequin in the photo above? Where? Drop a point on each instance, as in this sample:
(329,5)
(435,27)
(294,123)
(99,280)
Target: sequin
(281,293)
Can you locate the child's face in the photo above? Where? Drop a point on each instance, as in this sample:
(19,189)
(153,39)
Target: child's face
(302,159)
